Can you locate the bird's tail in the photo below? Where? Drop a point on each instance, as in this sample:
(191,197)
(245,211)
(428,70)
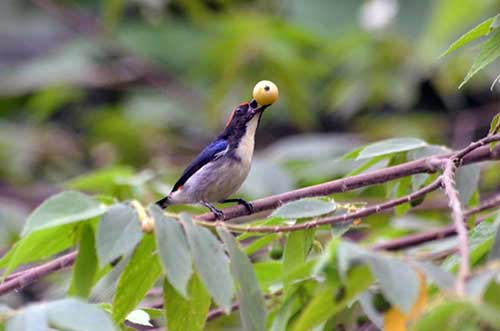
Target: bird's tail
(164,203)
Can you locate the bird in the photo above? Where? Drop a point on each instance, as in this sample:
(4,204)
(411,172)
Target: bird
(222,167)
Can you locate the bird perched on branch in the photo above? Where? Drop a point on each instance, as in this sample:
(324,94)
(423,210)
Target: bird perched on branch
(220,169)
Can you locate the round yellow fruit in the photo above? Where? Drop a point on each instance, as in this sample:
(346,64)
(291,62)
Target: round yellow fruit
(265,92)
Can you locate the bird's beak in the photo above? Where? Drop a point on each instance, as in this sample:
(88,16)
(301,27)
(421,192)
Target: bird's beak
(254,107)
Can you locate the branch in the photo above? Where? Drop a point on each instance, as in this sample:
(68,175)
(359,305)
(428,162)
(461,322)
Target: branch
(329,220)
(32,275)
(459,224)
(428,165)
(423,237)
(425,165)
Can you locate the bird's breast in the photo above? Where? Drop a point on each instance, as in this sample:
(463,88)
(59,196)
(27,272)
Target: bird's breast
(246,145)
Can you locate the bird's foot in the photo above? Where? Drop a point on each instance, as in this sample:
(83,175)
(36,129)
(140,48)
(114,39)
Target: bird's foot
(248,205)
(219,215)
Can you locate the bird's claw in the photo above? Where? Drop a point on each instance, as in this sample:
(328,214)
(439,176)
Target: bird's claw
(248,207)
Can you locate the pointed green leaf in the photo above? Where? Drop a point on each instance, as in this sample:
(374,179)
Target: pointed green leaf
(85,264)
(186,314)
(390,146)
(307,207)
(480,30)
(325,304)
(137,278)
(173,249)
(252,307)
(63,208)
(76,315)
(118,233)
(298,244)
(211,262)
(490,50)
(39,245)
(31,319)
(398,281)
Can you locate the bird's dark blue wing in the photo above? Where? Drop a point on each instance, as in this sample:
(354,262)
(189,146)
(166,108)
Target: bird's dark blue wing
(210,153)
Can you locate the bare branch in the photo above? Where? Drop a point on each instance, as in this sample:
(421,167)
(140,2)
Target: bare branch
(32,275)
(425,165)
(330,220)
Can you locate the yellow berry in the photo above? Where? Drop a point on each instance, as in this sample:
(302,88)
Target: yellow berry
(265,92)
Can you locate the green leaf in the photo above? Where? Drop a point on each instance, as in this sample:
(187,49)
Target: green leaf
(252,307)
(39,245)
(439,276)
(494,123)
(480,30)
(398,281)
(459,315)
(211,262)
(390,146)
(137,278)
(173,249)
(30,319)
(467,182)
(85,264)
(63,208)
(184,314)
(75,315)
(495,249)
(260,243)
(298,244)
(289,308)
(490,50)
(118,233)
(326,304)
(307,207)
(111,181)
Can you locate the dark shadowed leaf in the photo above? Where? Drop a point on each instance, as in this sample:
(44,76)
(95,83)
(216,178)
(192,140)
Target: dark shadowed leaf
(63,208)
(85,265)
(211,262)
(186,314)
(137,278)
(390,146)
(118,233)
(173,249)
(308,207)
(325,304)
(252,306)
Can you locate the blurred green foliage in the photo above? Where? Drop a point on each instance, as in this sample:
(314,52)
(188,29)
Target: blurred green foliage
(114,98)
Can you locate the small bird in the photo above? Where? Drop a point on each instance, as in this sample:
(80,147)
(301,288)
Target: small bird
(220,169)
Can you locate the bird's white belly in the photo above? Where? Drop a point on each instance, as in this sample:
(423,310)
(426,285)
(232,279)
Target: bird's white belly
(213,182)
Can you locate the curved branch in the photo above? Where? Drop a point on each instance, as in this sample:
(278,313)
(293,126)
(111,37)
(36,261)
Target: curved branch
(32,275)
(329,220)
(425,165)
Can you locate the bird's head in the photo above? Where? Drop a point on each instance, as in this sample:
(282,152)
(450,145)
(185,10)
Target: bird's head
(243,114)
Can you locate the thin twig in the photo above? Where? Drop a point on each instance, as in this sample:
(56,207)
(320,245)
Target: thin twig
(35,273)
(459,224)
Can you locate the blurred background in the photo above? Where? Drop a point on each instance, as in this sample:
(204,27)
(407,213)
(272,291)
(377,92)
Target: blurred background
(115,97)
